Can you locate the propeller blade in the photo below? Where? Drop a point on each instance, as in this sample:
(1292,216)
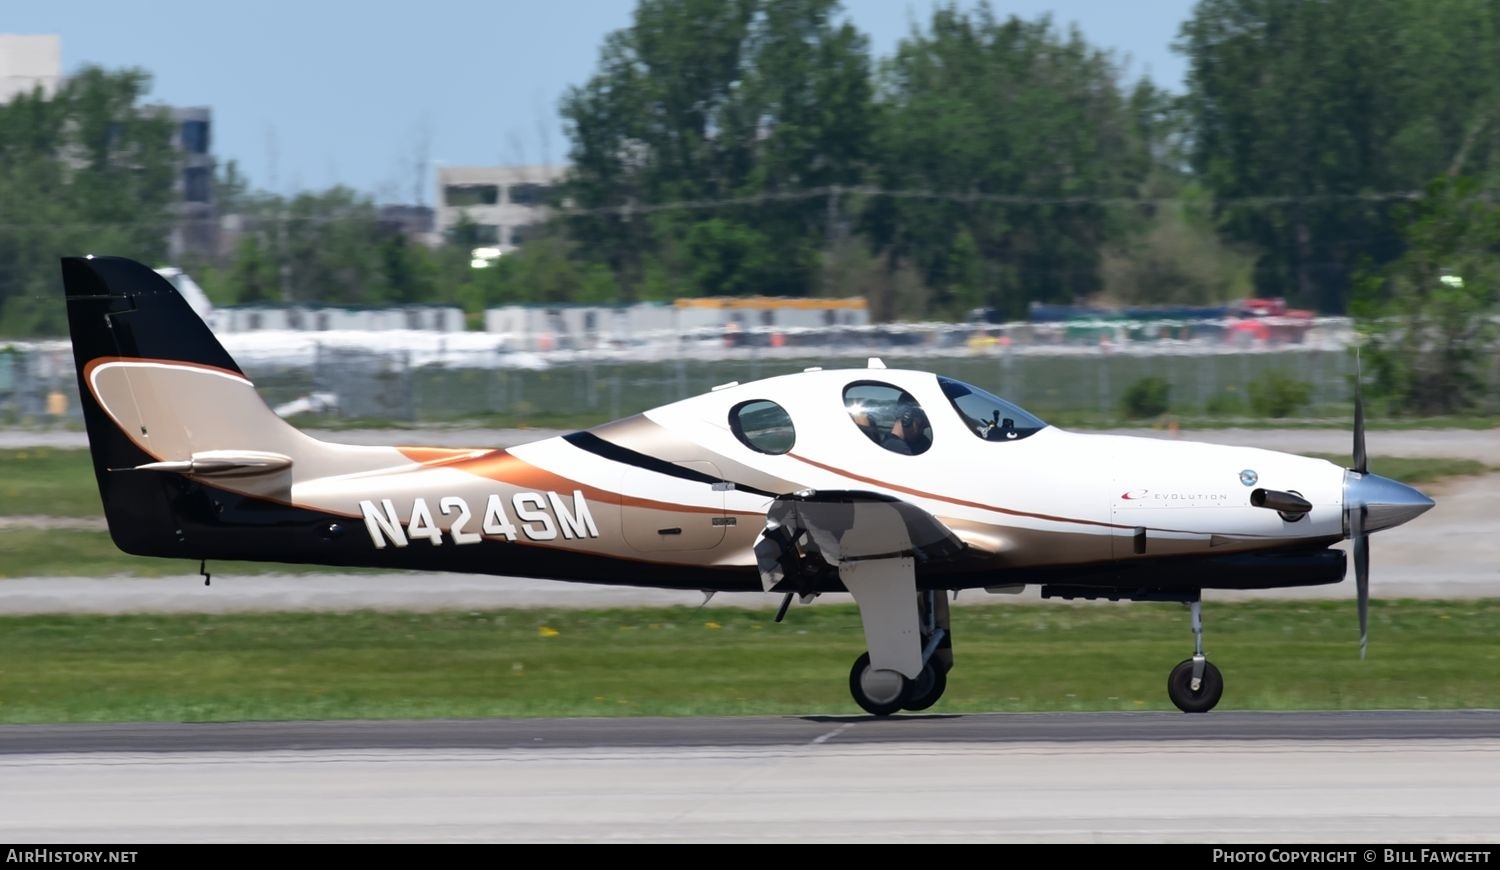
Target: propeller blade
(1361,460)
(1361,574)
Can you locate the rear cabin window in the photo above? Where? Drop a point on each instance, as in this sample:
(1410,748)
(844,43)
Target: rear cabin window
(763,426)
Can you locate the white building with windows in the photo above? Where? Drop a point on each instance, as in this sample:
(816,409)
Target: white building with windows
(196,230)
(503,203)
(29,62)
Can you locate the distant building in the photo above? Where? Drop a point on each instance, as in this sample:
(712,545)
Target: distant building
(750,312)
(30,62)
(579,327)
(27,63)
(324,318)
(196,230)
(413,221)
(739,322)
(502,203)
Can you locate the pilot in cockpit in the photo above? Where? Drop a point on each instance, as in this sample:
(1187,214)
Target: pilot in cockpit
(910,433)
(867,422)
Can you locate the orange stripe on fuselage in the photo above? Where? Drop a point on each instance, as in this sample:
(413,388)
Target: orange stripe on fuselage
(501,466)
(430,456)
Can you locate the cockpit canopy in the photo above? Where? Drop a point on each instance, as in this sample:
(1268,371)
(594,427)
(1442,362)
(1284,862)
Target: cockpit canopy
(894,419)
(989,416)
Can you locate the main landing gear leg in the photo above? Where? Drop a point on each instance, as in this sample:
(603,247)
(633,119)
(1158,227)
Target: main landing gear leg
(1195,685)
(876,565)
(937,651)
(869,542)
(882,679)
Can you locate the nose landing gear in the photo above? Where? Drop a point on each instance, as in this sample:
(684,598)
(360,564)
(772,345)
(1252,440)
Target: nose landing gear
(1195,685)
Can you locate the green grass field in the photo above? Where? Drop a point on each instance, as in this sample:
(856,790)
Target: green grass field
(1414,471)
(41,481)
(29,552)
(1275,655)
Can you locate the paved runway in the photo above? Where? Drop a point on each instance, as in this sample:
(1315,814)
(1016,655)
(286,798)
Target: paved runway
(670,732)
(1280,778)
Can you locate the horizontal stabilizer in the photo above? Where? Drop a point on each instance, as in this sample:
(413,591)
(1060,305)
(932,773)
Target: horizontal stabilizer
(220,463)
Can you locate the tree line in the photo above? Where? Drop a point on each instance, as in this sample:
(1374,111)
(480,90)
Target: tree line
(1319,152)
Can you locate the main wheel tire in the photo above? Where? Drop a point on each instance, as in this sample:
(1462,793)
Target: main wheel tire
(1210,690)
(879,693)
(928,687)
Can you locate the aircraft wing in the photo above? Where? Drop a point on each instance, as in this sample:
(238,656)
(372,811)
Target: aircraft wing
(811,536)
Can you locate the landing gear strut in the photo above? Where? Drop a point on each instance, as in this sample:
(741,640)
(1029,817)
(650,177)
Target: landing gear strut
(937,652)
(927,688)
(1195,685)
(873,542)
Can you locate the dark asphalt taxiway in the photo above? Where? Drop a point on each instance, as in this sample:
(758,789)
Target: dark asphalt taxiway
(664,733)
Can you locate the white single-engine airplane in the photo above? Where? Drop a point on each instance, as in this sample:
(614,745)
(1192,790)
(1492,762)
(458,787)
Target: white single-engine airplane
(895,486)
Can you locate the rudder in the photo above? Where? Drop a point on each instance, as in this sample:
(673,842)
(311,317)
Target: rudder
(159,395)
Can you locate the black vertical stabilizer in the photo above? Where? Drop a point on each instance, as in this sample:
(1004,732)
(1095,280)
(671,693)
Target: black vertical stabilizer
(118,308)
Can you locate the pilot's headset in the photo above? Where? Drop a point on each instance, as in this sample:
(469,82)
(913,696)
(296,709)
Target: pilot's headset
(912,417)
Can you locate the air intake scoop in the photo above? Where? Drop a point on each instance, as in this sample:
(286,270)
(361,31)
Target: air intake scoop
(1276,500)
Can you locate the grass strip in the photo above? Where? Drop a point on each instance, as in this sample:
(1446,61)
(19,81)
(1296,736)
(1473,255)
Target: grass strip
(1275,655)
(28,552)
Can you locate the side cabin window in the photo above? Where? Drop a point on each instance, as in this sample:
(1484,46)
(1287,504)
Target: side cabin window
(763,426)
(889,416)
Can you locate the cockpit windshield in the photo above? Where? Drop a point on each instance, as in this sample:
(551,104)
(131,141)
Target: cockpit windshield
(987,416)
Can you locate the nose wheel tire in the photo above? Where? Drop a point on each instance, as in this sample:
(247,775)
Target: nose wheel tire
(927,688)
(1206,697)
(879,693)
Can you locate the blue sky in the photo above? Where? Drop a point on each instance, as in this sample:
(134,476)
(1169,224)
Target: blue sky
(319,92)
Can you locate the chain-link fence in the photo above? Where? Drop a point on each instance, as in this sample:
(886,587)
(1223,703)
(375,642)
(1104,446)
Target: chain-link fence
(37,383)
